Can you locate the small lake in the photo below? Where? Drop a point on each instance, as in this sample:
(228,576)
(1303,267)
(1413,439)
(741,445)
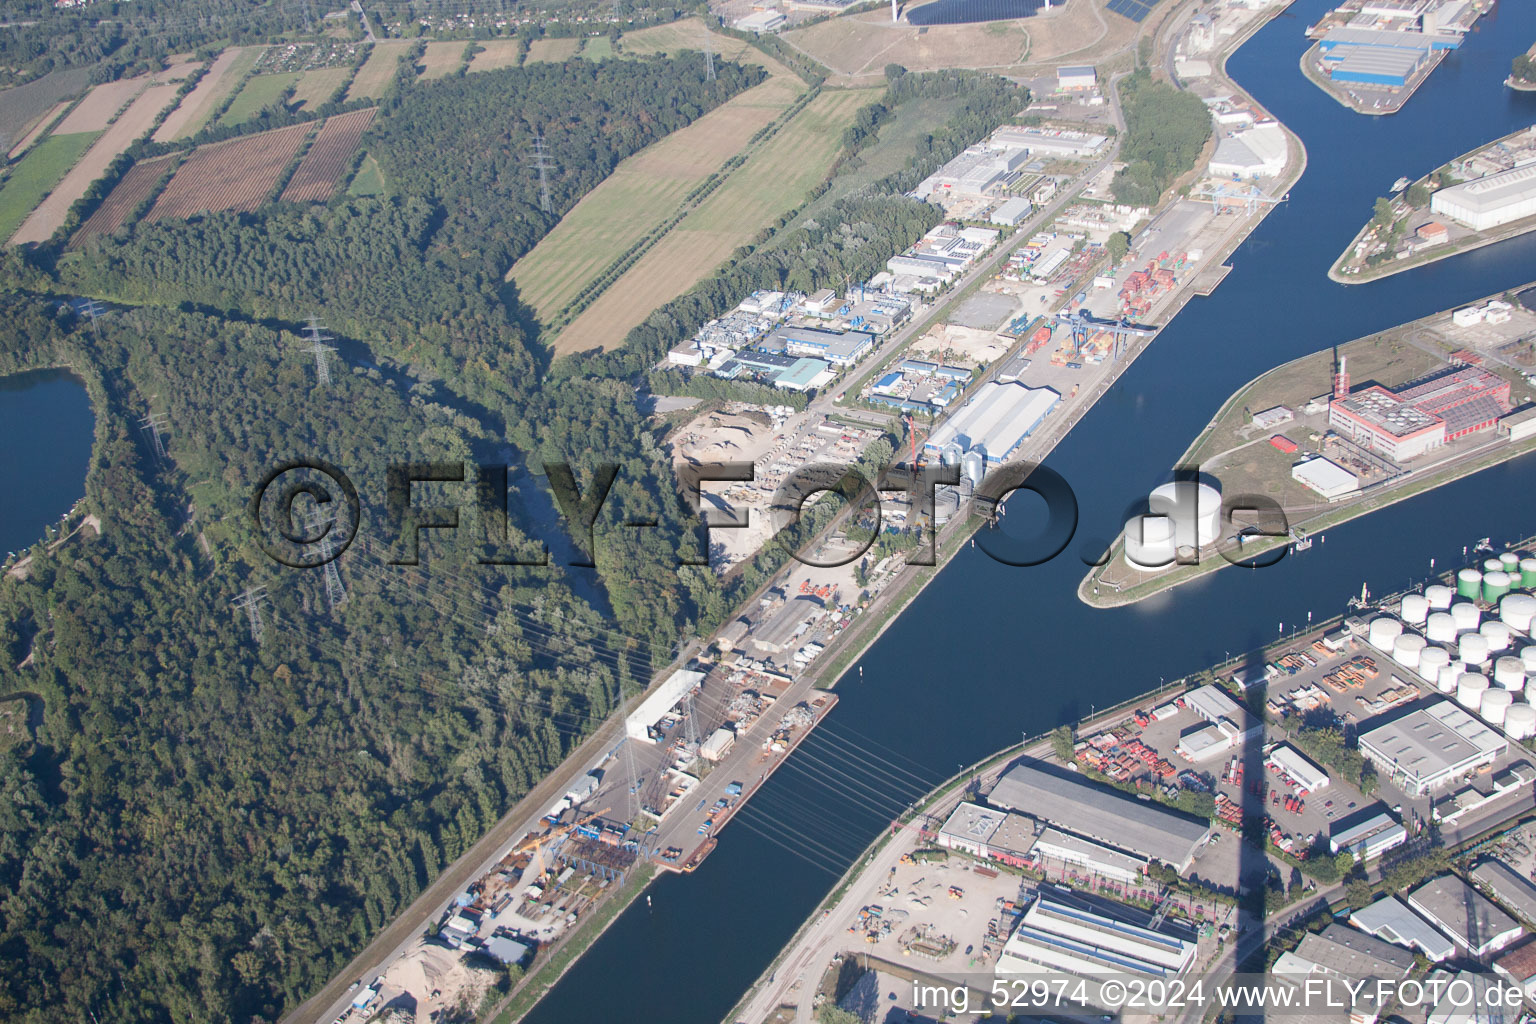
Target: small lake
(46,429)
(963,12)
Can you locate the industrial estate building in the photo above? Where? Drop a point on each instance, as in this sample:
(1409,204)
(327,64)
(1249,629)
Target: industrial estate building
(1054,937)
(642,723)
(1257,152)
(1352,954)
(1472,922)
(1370,838)
(1509,887)
(993,424)
(992,834)
(1406,422)
(1391,919)
(1491,201)
(1101,814)
(1230,724)
(1431,747)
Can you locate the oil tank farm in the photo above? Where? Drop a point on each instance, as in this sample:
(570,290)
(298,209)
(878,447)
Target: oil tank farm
(1183,517)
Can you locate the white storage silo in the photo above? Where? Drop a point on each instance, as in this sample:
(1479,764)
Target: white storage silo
(1406,650)
(1470,689)
(1518,611)
(1449,677)
(1520,721)
(1474,648)
(1509,673)
(1496,704)
(1415,609)
(1383,631)
(1149,542)
(1439,597)
(1466,615)
(1191,505)
(1441,627)
(1497,633)
(1432,660)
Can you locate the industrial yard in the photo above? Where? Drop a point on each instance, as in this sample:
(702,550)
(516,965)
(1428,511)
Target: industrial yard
(980,882)
(1339,433)
(1481,197)
(1371,55)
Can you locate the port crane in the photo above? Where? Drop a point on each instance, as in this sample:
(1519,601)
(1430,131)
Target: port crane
(537,843)
(1084,323)
(1249,195)
(912,436)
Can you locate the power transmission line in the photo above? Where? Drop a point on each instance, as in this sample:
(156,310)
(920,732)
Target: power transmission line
(320,350)
(250,600)
(153,424)
(541,161)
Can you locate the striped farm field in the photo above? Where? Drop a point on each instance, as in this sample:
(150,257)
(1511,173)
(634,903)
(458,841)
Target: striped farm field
(317,86)
(378,70)
(498,53)
(689,34)
(37,129)
(640,194)
(130,126)
(552,49)
(235,175)
(36,174)
(328,157)
(259,93)
(95,111)
(442,59)
(774,179)
(135,187)
(211,90)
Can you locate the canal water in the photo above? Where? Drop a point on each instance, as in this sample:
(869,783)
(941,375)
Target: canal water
(46,429)
(989,652)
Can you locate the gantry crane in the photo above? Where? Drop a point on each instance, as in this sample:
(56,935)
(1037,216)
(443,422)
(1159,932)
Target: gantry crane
(1084,323)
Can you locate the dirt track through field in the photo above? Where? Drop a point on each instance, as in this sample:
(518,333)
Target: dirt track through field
(204,97)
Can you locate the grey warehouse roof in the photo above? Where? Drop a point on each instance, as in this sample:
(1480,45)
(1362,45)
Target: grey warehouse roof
(1508,887)
(1355,954)
(1100,813)
(1461,910)
(1391,919)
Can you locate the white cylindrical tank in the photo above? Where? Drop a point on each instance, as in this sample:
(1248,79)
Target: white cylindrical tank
(1415,609)
(1510,561)
(1149,542)
(1469,583)
(1466,615)
(1474,648)
(1470,689)
(1520,721)
(1439,597)
(1496,704)
(1509,673)
(1406,650)
(1432,660)
(1518,611)
(1497,633)
(1528,656)
(1441,627)
(1382,632)
(1449,677)
(1191,504)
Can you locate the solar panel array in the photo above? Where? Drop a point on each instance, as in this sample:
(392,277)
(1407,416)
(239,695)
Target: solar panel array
(1136,10)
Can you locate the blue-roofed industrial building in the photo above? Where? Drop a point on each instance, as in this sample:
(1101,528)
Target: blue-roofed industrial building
(1377,57)
(841,348)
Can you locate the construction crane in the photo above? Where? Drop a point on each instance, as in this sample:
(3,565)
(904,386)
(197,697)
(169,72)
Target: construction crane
(538,843)
(1084,323)
(1249,195)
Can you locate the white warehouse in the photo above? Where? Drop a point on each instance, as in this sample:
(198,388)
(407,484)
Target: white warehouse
(1489,201)
(643,720)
